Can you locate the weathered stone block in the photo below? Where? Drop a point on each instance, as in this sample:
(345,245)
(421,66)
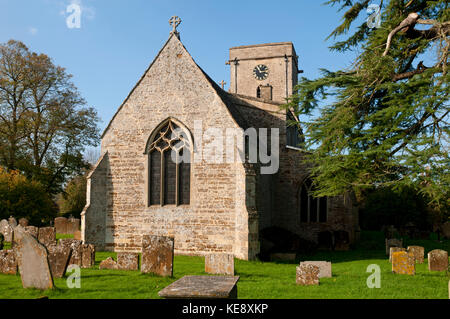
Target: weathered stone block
(438,260)
(221,264)
(403,263)
(47,236)
(12,222)
(393,243)
(8,262)
(23,222)
(393,250)
(418,252)
(6,230)
(32,260)
(87,256)
(75,246)
(204,287)
(307,275)
(58,258)
(324,267)
(128,261)
(33,231)
(108,263)
(157,255)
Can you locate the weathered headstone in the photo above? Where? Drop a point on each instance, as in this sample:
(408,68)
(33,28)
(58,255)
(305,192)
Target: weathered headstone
(6,230)
(77,235)
(32,260)
(8,262)
(33,231)
(75,246)
(220,264)
(73,225)
(418,252)
(202,287)
(393,250)
(438,260)
(87,255)
(58,258)
(47,236)
(12,222)
(128,261)
(61,225)
(393,242)
(108,263)
(23,222)
(403,263)
(307,275)
(157,255)
(324,267)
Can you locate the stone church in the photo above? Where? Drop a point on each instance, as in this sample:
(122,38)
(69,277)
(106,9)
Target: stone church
(138,188)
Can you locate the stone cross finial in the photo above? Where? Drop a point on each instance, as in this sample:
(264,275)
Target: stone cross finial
(175,22)
(222,83)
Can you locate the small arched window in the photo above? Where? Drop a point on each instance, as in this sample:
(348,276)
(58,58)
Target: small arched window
(169,168)
(312,209)
(258,92)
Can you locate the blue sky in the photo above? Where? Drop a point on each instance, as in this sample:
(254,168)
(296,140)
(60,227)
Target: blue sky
(119,39)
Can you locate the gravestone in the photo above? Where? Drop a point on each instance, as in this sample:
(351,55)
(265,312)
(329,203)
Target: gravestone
(128,261)
(393,242)
(61,225)
(12,222)
(73,225)
(77,235)
(438,260)
(58,258)
(220,264)
(202,287)
(418,253)
(33,231)
(307,275)
(393,250)
(6,230)
(8,262)
(403,263)
(324,267)
(32,260)
(23,222)
(87,255)
(75,246)
(47,236)
(108,263)
(157,255)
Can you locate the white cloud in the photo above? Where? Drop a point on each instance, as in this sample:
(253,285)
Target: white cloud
(87,11)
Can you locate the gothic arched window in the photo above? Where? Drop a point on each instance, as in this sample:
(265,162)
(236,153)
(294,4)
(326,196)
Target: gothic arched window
(169,168)
(312,209)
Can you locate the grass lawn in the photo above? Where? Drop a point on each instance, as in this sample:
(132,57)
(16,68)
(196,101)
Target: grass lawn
(260,280)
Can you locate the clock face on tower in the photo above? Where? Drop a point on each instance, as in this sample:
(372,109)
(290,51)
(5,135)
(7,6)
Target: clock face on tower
(261,72)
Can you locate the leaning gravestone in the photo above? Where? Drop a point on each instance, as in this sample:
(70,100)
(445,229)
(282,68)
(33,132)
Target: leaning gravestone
(75,246)
(393,250)
(219,264)
(324,267)
(438,260)
(403,263)
(108,263)
(8,262)
(47,236)
(307,275)
(87,255)
(393,243)
(6,230)
(157,255)
(418,253)
(128,261)
(58,258)
(32,260)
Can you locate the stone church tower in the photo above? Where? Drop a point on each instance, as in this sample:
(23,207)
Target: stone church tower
(208,201)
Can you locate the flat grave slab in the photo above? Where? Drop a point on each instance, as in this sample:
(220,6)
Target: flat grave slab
(202,287)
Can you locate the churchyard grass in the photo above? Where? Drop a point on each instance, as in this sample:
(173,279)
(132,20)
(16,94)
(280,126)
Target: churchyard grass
(262,279)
